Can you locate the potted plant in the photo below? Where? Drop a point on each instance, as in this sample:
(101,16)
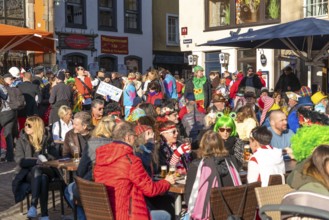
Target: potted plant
(273,9)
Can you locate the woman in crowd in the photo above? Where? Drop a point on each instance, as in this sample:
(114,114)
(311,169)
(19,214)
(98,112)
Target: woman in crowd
(266,160)
(212,169)
(129,93)
(280,102)
(101,135)
(32,148)
(245,122)
(154,92)
(173,152)
(226,128)
(61,127)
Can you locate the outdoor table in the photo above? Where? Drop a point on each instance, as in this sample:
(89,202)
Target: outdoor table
(67,165)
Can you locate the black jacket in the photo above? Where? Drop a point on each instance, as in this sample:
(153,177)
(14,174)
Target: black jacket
(257,84)
(30,91)
(288,82)
(26,159)
(189,88)
(89,156)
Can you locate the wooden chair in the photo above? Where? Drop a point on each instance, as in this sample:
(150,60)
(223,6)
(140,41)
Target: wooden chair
(94,199)
(272,195)
(233,197)
(276,179)
(56,184)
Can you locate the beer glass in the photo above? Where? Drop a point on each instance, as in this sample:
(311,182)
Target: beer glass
(246,152)
(76,155)
(172,170)
(163,173)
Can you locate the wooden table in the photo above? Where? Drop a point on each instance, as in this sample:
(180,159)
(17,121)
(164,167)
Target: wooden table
(68,165)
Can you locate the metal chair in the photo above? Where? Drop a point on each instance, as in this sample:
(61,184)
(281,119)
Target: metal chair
(272,195)
(234,198)
(94,199)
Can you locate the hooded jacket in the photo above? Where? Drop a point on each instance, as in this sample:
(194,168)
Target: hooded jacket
(265,161)
(126,180)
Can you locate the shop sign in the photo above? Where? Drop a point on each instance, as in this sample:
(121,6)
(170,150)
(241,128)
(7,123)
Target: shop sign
(77,41)
(114,45)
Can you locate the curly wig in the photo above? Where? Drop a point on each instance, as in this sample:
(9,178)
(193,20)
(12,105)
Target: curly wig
(307,138)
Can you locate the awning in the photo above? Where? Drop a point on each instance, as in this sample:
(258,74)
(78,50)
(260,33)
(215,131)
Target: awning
(18,38)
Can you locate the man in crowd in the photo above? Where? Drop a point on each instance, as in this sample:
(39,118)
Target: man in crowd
(288,81)
(293,123)
(76,139)
(126,179)
(97,110)
(281,135)
(84,87)
(251,82)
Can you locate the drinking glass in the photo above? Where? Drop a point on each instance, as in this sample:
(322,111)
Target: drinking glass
(172,170)
(163,173)
(76,155)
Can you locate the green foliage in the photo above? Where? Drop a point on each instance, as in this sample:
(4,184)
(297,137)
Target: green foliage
(253,5)
(307,138)
(227,14)
(274,9)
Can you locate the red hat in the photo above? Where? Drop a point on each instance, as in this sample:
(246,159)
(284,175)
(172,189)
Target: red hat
(139,129)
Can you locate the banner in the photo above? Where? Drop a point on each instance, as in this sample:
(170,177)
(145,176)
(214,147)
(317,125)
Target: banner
(114,45)
(110,91)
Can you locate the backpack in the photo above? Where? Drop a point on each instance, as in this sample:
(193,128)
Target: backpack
(16,98)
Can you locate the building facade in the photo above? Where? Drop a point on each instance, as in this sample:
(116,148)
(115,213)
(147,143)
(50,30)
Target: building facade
(166,35)
(111,34)
(208,20)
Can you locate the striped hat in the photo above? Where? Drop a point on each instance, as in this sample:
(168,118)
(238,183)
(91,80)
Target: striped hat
(305,91)
(268,102)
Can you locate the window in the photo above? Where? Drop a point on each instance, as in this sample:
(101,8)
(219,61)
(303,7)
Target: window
(246,58)
(75,14)
(109,63)
(133,16)
(316,8)
(222,14)
(12,12)
(107,15)
(133,63)
(172,30)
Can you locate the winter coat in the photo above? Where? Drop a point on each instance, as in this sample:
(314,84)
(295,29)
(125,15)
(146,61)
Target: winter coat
(189,88)
(72,141)
(89,156)
(129,94)
(169,83)
(287,83)
(213,167)
(26,159)
(126,180)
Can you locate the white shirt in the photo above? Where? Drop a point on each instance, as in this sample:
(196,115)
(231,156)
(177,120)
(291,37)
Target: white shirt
(64,129)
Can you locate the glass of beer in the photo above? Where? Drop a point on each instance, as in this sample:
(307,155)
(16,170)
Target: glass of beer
(172,169)
(246,153)
(163,173)
(76,155)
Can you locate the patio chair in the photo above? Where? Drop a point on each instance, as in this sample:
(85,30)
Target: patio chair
(94,199)
(299,204)
(276,179)
(272,195)
(235,200)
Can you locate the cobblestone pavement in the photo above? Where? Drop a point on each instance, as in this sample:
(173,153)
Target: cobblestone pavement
(11,211)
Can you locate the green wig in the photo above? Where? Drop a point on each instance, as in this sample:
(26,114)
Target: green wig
(226,121)
(307,138)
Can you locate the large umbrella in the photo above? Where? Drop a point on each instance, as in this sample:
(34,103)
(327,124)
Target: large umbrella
(302,37)
(18,38)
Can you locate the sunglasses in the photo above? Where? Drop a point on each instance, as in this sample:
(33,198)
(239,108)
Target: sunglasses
(28,125)
(228,130)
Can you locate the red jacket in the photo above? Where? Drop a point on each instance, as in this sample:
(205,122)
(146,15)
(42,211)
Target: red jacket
(126,180)
(151,98)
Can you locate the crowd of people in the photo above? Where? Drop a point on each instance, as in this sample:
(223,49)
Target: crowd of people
(201,127)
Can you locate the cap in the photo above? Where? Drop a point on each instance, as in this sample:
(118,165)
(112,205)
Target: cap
(139,129)
(60,75)
(317,97)
(293,96)
(14,71)
(197,68)
(218,98)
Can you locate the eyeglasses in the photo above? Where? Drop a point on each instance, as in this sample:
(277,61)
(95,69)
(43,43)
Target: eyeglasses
(228,130)
(28,125)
